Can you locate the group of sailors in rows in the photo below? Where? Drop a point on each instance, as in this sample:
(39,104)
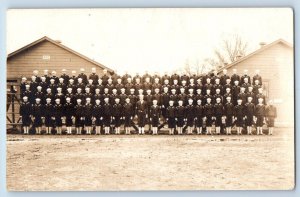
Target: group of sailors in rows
(111,100)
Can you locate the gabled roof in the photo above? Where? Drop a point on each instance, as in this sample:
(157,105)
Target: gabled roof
(45,38)
(258,51)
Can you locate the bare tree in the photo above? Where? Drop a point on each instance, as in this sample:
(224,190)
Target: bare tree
(231,48)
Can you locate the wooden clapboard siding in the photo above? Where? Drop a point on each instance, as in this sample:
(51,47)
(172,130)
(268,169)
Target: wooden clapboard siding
(276,64)
(23,61)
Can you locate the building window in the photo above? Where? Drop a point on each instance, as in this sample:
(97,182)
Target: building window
(46,57)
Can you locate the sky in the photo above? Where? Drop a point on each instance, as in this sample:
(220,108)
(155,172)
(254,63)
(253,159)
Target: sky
(154,40)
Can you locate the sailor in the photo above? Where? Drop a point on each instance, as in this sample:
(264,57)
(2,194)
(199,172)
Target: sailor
(155,113)
(107,113)
(271,114)
(88,113)
(239,114)
(260,114)
(208,112)
(199,114)
(249,114)
(170,117)
(117,115)
(190,116)
(180,115)
(98,115)
(68,113)
(93,76)
(218,114)
(37,112)
(58,115)
(229,114)
(25,112)
(79,116)
(83,76)
(142,114)
(48,114)
(128,115)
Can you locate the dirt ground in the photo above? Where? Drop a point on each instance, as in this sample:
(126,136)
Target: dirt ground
(61,163)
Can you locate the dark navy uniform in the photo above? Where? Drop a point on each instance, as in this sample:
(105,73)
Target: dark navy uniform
(190,115)
(73,87)
(72,98)
(100,87)
(119,86)
(107,112)
(174,98)
(171,115)
(92,88)
(44,86)
(157,97)
(30,96)
(147,86)
(209,112)
(165,103)
(66,78)
(235,91)
(117,114)
(223,79)
(40,95)
(37,112)
(182,97)
(94,77)
(154,115)
(258,96)
(229,112)
(180,115)
(218,113)
(243,78)
(260,113)
(133,100)
(128,114)
(257,77)
(138,87)
(243,97)
(156,86)
(57,114)
(175,76)
(88,113)
(25,112)
(68,112)
(235,77)
(199,114)
(98,114)
(95,97)
(105,79)
(63,87)
(128,86)
(48,114)
(83,77)
(239,113)
(164,77)
(141,111)
(61,97)
(252,95)
(33,87)
(79,113)
(249,113)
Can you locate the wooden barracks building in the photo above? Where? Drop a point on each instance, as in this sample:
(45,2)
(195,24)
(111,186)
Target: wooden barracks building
(276,64)
(49,54)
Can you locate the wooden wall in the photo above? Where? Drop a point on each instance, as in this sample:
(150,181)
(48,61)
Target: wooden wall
(276,66)
(31,59)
